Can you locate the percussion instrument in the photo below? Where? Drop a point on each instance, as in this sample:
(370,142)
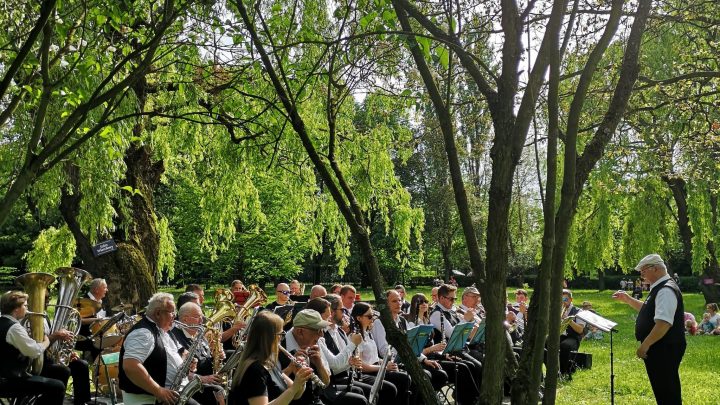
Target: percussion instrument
(86,307)
(110,338)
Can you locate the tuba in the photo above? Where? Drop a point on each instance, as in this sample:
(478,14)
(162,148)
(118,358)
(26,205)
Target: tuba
(245,312)
(35,286)
(70,280)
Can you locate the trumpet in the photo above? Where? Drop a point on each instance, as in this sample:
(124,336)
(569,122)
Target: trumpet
(565,322)
(314,378)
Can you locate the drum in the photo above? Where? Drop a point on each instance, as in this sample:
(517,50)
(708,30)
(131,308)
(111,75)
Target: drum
(111,337)
(107,372)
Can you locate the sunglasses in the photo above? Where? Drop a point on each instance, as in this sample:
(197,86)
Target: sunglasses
(284,292)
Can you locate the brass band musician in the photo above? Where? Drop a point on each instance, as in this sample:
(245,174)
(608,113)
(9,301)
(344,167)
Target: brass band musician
(96,294)
(17,349)
(150,357)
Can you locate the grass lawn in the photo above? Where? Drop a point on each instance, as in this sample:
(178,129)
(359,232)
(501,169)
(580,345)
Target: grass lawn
(698,370)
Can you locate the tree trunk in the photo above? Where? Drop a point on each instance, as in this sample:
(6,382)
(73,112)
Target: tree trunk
(446,249)
(601,280)
(679,191)
(711,291)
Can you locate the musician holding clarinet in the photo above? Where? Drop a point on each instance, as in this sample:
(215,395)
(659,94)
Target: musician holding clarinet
(258,379)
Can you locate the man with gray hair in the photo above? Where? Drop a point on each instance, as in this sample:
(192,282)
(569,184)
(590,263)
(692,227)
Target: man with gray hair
(317,291)
(96,294)
(150,357)
(660,329)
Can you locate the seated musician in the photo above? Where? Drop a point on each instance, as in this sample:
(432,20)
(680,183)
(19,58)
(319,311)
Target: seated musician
(98,290)
(445,316)
(186,297)
(237,286)
(76,368)
(295,288)
(283,293)
(432,368)
(317,291)
(18,349)
(404,304)
(191,314)
(573,334)
(362,314)
(339,391)
(258,379)
(150,357)
(458,372)
(197,289)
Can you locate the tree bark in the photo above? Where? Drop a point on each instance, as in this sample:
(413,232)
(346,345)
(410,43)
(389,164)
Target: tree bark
(679,191)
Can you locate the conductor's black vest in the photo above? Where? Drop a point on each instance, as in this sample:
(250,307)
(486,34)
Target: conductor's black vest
(155,364)
(645,320)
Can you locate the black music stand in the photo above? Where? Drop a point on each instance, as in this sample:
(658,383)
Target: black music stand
(100,333)
(605,325)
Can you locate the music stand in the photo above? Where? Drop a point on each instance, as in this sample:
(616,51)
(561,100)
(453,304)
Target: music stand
(418,337)
(458,338)
(101,332)
(604,325)
(479,336)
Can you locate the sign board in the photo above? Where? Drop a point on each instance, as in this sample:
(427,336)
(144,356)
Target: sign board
(104,247)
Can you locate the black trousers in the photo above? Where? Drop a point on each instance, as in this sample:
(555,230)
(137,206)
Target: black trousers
(342,394)
(51,391)
(662,365)
(567,345)
(78,369)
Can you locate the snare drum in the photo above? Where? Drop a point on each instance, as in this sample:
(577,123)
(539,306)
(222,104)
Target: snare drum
(108,371)
(110,338)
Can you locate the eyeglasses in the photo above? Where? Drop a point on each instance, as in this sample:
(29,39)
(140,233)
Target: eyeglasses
(450,298)
(171,313)
(368,316)
(282,334)
(284,292)
(422,302)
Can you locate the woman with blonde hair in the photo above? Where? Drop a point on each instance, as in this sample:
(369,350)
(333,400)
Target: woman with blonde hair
(258,379)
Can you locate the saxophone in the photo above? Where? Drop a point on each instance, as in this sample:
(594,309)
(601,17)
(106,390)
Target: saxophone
(70,280)
(184,368)
(35,285)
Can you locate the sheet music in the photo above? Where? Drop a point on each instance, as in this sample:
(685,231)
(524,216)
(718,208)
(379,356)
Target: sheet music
(596,320)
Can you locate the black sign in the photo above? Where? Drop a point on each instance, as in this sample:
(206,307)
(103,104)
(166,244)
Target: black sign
(104,247)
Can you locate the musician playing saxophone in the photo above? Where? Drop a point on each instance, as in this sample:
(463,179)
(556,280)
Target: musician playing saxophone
(150,357)
(17,349)
(191,314)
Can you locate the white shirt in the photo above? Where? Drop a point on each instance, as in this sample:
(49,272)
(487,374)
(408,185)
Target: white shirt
(138,345)
(665,302)
(291,344)
(18,337)
(101,313)
(436,317)
(340,362)
(368,351)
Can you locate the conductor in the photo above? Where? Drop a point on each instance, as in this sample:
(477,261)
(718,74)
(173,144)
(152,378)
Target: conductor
(660,329)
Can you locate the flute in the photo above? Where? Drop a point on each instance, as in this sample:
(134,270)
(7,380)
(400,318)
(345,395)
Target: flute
(313,377)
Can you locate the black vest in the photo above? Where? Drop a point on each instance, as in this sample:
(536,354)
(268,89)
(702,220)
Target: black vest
(155,364)
(203,353)
(645,320)
(569,331)
(14,364)
(449,315)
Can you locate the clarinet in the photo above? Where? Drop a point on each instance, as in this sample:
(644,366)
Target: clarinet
(313,377)
(442,327)
(354,370)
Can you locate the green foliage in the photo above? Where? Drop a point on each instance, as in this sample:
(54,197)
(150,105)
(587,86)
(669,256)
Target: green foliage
(644,225)
(700,216)
(52,249)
